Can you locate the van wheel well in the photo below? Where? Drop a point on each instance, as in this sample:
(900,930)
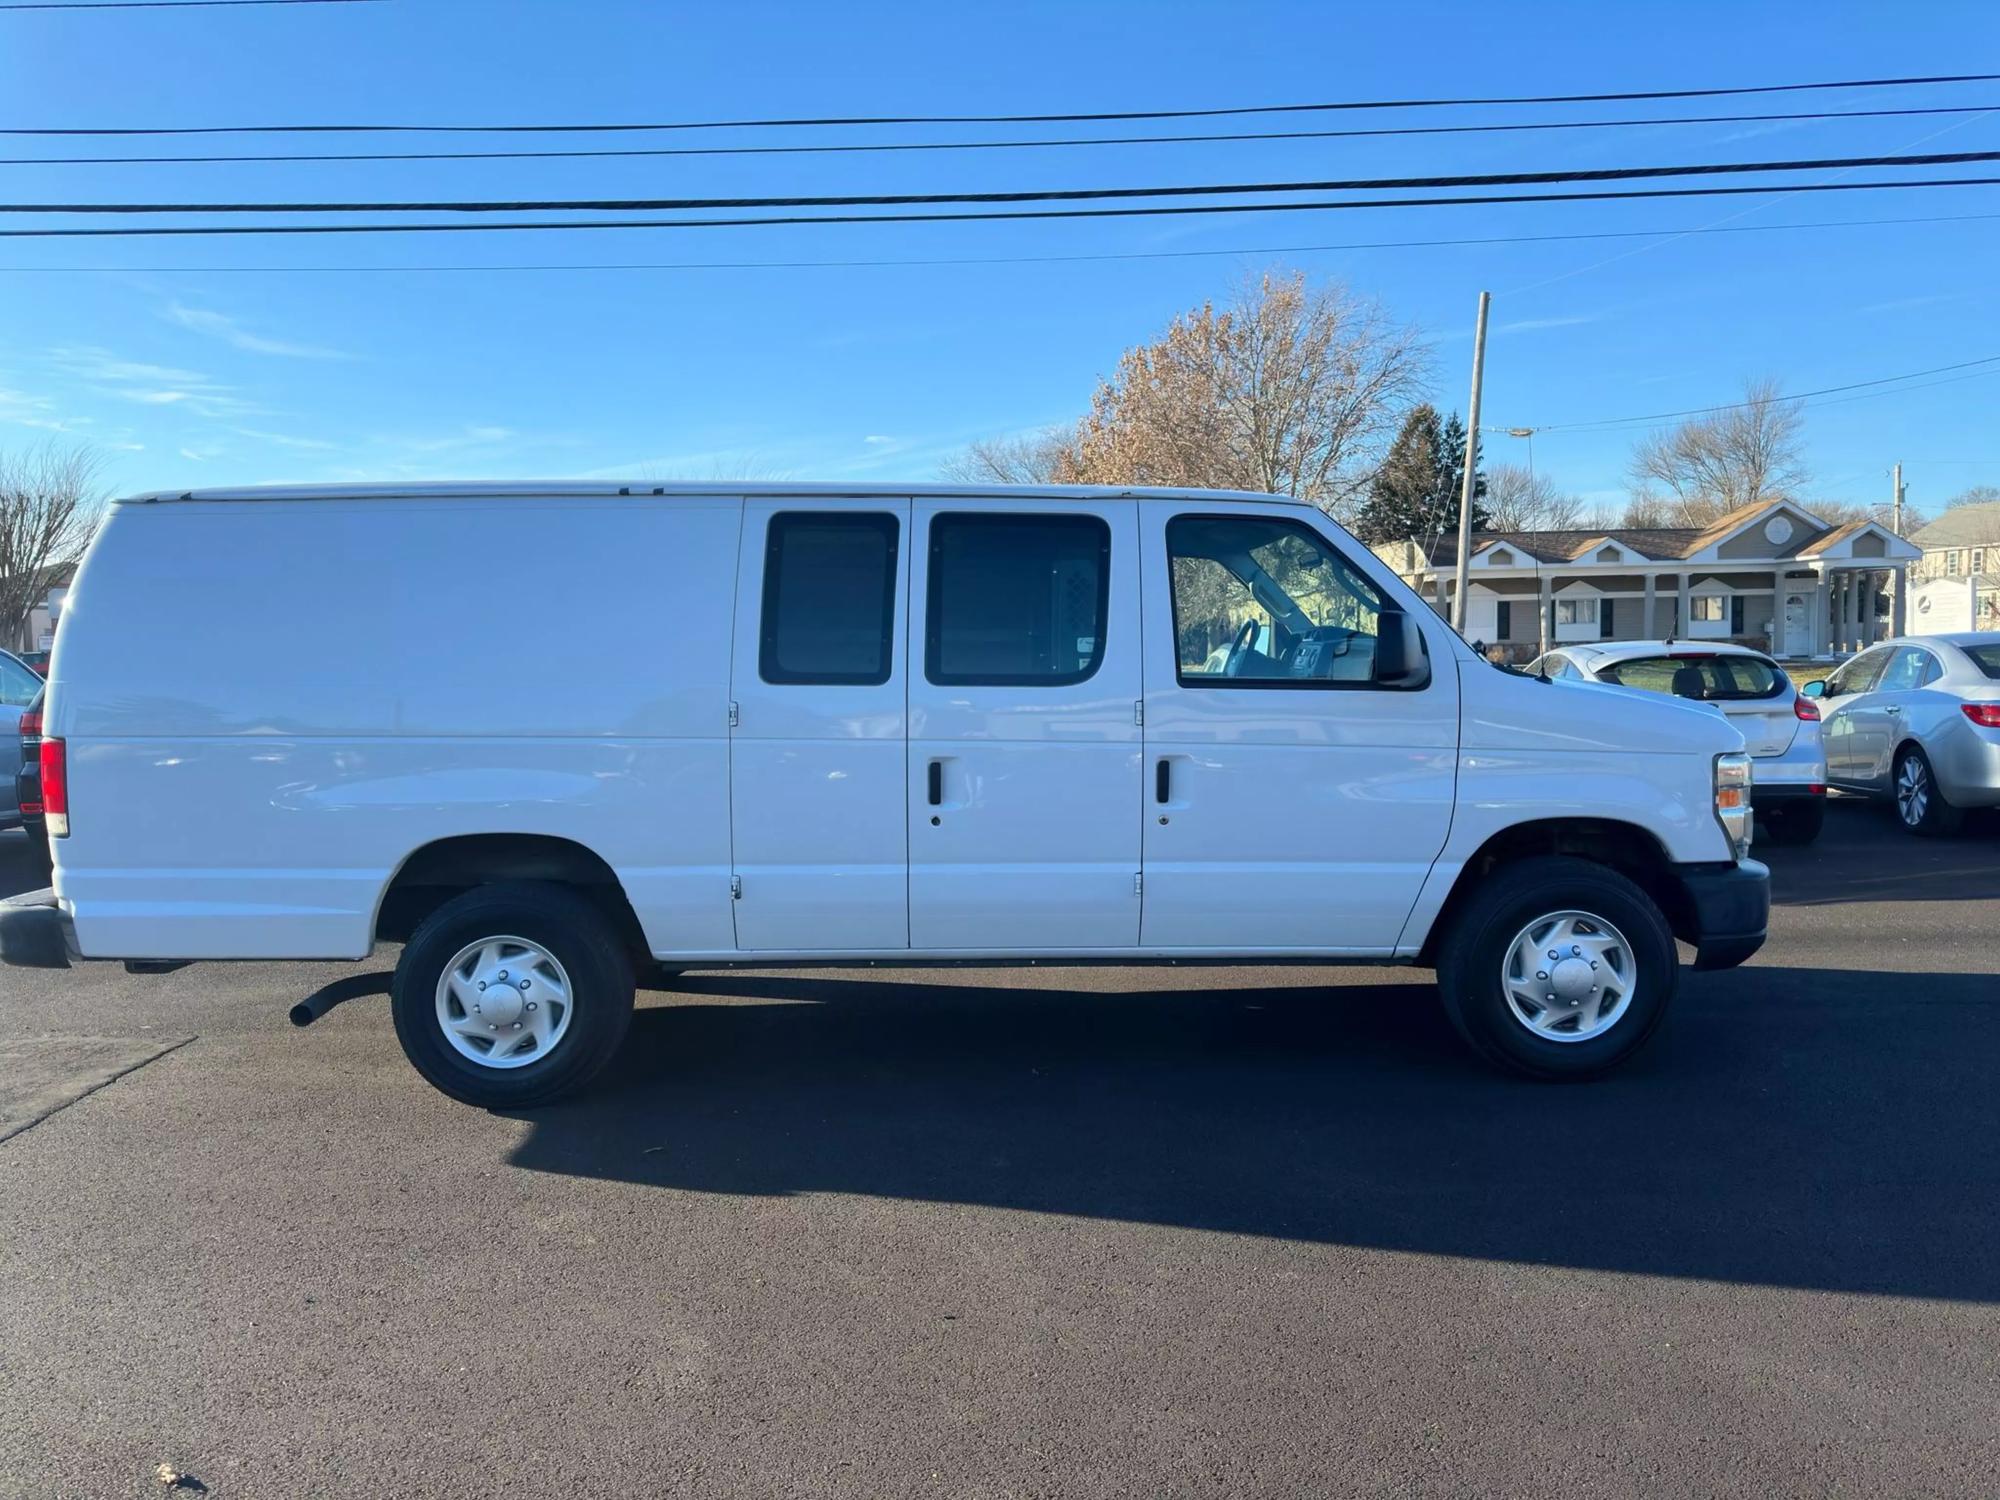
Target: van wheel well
(1625,847)
(441,871)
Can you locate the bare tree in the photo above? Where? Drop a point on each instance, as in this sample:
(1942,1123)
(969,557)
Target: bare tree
(1025,458)
(1518,499)
(1290,389)
(1710,465)
(1979,494)
(48,507)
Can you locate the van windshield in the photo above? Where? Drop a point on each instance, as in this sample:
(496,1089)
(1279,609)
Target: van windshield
(1712,679)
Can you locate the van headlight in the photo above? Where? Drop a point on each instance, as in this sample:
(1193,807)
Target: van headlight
(1732,800)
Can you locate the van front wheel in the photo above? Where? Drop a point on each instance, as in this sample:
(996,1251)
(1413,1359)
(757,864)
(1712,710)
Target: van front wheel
(512,995)
(1558,968)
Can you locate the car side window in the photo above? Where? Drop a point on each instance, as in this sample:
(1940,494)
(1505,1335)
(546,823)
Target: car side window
(1859,675)
(1016,600)
(18,685)
(829,598)
(1261,601)
(1905,672)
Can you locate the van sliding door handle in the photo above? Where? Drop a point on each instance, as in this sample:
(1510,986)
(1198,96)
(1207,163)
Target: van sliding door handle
(937,783)
(1162,782)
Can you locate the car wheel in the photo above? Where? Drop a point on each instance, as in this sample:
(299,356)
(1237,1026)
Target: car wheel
(512,995)
(1558,968)
(1799,823)
(1920,805)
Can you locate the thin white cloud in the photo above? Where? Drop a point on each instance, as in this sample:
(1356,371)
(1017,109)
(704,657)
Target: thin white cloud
(215,325)
(472,435)
(285,439)
(1530,325)
(148,384)
(877,438)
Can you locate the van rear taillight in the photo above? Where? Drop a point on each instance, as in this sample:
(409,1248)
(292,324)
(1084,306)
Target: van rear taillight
(55,789)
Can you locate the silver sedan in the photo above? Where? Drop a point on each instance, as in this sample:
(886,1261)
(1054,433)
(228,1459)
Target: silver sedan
(1918,720)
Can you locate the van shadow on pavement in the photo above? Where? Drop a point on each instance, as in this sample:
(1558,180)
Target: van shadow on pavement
(1808,1128)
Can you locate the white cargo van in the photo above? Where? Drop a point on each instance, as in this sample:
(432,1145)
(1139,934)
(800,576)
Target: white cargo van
(543,734)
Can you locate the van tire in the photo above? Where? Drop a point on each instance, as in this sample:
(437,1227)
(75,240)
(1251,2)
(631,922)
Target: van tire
(580,938)
(1473,959)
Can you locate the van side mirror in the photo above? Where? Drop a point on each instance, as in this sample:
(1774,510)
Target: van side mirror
(1402,660)
(1815,689)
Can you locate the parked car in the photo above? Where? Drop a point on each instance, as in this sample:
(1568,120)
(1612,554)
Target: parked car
(28,783)
(846,727)
(19,687)
(1780,725)
(35,661)
(1917,720)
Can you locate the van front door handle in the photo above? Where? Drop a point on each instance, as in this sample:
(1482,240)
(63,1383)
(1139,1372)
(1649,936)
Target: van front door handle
(937,783)
(1163,782)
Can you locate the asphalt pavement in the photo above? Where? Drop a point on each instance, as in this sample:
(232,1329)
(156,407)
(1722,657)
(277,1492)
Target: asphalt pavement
(1029,1232)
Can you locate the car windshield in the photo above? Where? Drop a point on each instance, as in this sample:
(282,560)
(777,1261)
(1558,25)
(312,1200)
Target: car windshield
(1986,658)
(1713,679)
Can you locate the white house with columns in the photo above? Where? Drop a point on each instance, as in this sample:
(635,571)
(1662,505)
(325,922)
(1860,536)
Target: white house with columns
(1771,575)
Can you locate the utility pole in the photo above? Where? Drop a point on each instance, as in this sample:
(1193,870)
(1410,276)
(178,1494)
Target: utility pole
(1899,580)
(1471,464)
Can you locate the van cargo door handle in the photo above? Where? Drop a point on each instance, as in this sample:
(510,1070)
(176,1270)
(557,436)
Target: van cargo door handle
(1162,782)
(937,783)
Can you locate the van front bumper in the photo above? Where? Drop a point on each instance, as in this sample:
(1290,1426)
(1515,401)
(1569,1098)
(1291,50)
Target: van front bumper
(35,932)
(1728,910)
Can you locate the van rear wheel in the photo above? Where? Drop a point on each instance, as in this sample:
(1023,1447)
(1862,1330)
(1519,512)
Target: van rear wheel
(1558,968)
(512,995)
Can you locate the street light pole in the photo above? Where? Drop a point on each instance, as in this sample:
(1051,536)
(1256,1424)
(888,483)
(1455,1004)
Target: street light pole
(1458,607)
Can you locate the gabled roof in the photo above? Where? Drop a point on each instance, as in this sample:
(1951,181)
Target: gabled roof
(1962,525)
(1652,543)
(1840,536)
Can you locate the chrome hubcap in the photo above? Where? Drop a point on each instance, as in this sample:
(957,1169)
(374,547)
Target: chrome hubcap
(1569,976)
(1913,791)
(503,1002)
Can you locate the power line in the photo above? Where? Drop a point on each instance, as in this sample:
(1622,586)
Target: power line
(984,260)
(853,148)
(1703,411)
(1035,195)
(1033,119)
(991,215)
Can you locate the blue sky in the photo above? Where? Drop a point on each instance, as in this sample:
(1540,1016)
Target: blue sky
(200,376)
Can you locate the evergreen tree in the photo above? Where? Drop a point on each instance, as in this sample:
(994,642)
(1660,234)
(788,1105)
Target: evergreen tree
(1416,491)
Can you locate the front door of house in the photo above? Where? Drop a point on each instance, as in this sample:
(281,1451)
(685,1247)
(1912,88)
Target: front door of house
(1798,625)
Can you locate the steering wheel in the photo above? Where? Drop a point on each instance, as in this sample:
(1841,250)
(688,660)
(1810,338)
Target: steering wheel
(1245,635)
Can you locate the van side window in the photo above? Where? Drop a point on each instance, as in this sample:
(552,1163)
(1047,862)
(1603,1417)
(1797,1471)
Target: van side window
(1016,600)
(829,598)
(1263,602)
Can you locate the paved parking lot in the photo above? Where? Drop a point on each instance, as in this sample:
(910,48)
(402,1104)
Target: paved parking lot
(1093,1232)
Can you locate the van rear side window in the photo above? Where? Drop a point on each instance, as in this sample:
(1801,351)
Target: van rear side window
(829,598)
(1016,600)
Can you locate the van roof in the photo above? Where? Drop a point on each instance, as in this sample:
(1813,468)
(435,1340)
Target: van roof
(571,489)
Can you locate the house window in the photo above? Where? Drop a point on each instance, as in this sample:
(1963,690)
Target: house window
(1707,608)
(1576,611)
(1951,561)
(1503,621)
(1978,560)
(1606,626)
(1736,615)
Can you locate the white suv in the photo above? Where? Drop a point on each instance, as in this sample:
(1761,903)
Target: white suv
(540,734)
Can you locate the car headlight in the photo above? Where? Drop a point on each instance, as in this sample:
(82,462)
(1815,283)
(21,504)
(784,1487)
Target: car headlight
(1732,800)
